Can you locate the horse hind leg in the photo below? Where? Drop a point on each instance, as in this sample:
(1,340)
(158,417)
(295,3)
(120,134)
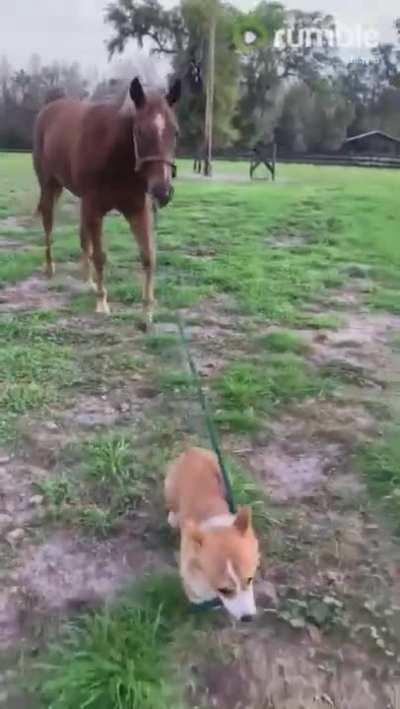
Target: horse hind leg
(48,197)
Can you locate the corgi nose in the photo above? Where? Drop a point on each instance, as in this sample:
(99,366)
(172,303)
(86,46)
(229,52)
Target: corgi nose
(247,618)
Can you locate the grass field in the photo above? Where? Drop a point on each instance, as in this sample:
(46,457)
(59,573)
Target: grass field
(290,294)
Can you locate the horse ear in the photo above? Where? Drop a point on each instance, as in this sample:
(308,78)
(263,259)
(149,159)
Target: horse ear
(175,92)
(137,94)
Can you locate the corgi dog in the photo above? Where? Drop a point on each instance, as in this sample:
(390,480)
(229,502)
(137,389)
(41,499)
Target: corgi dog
(219,552)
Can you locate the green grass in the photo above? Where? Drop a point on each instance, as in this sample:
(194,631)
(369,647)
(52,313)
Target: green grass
(101,481)
(320,322)
(118,659)
(175,380)
(344,217)
(30,374)
(39,363)
(114,468)
(248,493)
(56,491)
(158,344)
(15,266)
(26,327)
(396,343)
(282,341)
(387,299)
(247,391)
(380,463)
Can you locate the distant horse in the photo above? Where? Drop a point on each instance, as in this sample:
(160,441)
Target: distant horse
(112,158)
(201,164)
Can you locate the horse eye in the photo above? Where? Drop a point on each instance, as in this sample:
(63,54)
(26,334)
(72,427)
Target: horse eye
(226,592)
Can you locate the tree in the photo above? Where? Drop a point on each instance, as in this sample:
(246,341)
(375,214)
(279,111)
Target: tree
(269,70)
(181,35)
(23,93)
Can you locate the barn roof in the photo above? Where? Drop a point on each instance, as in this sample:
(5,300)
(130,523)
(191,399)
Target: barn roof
(371,133)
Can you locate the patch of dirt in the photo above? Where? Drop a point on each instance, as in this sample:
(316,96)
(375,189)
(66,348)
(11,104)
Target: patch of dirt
(218,311)
(215,334)
(18,496)
(293,473)
(67,574)
(15,225)
(124,402)
(284,675)
(92,412)
(31,294)
(45,440)
(288,242)
(361,342)
(234,177)
(310,443)
(11,245)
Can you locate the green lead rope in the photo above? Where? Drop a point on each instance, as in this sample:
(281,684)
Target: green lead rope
(214,604)
(208,419)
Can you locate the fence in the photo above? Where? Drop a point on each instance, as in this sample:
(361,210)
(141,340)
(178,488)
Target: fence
(339,159)
(333,159)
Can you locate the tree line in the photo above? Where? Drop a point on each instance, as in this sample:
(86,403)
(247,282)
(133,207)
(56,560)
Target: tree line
(306,95)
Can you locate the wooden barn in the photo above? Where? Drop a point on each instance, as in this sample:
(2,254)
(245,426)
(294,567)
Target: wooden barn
(375,143)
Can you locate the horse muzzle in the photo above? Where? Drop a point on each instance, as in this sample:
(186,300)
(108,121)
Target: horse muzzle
(162,195)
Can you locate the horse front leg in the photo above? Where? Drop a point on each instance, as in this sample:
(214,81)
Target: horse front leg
(91,233)
(86,254)
(142,225)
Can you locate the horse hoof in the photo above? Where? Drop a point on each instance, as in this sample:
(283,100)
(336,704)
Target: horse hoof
(50,270)
(146,326)
(102,308)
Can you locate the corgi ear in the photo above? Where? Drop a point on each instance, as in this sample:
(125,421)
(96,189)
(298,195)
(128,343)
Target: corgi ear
(243,520)
(194,533)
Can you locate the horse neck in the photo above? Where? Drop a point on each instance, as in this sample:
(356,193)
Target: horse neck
(121,151)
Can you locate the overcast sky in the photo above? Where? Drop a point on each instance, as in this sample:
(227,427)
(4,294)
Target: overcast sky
(75,30)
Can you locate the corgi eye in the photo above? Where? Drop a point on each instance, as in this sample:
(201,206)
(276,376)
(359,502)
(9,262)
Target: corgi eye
(227,592)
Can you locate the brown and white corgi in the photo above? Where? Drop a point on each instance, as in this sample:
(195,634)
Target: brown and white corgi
(219,553)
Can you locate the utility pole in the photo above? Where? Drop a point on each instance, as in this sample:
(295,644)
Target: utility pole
(209,119)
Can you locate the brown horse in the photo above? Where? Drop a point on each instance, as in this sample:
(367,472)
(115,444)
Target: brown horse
(112,158)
